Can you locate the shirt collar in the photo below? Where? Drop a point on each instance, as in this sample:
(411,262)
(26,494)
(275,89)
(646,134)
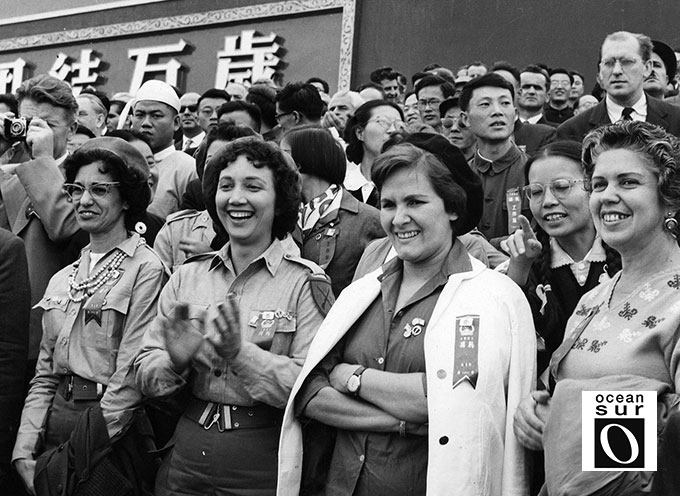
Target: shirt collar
(354,179)
(484,164)
(639,109)
(194,142)
(271,257)
(534,119)
(129,246)
(560,258)
(61,159)
(163,154)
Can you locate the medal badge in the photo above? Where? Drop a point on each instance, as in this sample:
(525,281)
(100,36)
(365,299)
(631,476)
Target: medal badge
(414,328)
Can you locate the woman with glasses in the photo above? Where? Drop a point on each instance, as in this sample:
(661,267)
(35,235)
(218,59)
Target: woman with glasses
(564,258)
(623,335)
(95,310)
(420,364)
(365,134)
(233,328)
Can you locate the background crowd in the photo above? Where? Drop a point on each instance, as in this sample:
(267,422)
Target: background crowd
(498,239)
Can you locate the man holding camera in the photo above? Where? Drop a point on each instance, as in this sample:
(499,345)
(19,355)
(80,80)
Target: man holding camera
(32,203)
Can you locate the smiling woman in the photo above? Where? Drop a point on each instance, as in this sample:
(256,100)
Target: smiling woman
(96,310)
(419,365)
(234,328)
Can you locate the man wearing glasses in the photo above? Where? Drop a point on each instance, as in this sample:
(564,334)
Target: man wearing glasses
(208,104)
(431,91)
(32,204)
(625,62)
(558,110)
(298,104)
(192,133)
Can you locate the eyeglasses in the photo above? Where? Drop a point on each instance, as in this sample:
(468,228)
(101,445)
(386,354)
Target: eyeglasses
(96,190)
(386,123)
(283,114)
(625,62)
(449,122)
(191,108)
(560,189)
(563,84)
(433,103)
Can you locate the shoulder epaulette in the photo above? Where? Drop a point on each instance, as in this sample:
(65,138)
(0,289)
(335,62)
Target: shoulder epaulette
(182,214)
(201,256)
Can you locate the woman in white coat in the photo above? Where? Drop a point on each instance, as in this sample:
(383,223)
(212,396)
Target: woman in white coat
(419,366)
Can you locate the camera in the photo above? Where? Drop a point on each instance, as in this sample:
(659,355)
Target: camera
(16,129)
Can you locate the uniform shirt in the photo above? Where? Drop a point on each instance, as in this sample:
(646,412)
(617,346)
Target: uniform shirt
(185,224)
(96,346)
(175,170)
(279,318)
(374,463)
(498,178)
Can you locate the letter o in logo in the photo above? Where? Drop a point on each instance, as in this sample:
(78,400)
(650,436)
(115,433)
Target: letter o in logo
(634,447)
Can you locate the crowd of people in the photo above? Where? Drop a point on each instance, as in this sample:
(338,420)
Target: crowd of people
(262,290)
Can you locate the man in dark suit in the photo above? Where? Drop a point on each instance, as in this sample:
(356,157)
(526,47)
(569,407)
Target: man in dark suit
(625,62)
(532,94)
(532,137)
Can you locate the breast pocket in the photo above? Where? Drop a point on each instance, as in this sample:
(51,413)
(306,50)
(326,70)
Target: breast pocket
(55,309)
(105,327)
(272,330)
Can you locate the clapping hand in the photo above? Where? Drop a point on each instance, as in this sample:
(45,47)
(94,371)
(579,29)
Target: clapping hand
(182,338)
(225,332)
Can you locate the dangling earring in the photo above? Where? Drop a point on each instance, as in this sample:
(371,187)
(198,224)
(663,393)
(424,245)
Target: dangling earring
(670,224)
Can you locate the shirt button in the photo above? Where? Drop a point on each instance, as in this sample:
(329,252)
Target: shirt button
(381,360)
(218,373)
(582,265)
(441,373)
(65,370)
(361,458)
(64,341)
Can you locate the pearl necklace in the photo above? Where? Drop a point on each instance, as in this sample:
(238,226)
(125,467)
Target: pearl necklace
(104,274)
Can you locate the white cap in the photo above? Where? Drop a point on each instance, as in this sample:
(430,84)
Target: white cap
(157,91)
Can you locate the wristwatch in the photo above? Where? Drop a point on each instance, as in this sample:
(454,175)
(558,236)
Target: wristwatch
(354,381)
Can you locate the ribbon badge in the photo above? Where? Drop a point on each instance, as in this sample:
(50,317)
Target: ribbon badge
(414,328)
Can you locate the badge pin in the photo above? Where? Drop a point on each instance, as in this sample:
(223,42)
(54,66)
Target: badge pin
(414,328)
(268,315)
(267,323)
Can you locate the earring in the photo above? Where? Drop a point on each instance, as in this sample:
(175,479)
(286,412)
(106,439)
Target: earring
(671,224)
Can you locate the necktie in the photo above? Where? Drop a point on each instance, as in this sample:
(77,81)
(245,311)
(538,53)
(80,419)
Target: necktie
(625,115)
(188,145)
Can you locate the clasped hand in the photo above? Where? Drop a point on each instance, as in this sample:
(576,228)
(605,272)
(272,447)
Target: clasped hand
(184,336)
(341,374)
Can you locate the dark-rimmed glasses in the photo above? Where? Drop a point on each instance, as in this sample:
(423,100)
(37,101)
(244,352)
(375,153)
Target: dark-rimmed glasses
(559,188)
(190,108)
(96,190)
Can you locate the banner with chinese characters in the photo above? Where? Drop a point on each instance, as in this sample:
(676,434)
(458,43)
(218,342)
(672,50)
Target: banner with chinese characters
(285,41)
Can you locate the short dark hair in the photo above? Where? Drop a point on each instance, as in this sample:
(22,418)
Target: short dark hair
(129,135)
(301,97)
(411,157)
(535,69)
(11,101)
(240,105)
(316,152)
(264,97)
(419,75)
(323,82)
(448,89)
(504,65)
(576,73)
(80,129)
(561,70)
(134,187)
(214,93)
(382,73)
(287,183)
(48,89)
(355,148)
(488,79)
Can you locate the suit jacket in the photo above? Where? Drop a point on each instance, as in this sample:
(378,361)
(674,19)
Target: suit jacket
(659,112)
(34,207)
(15,308)
(532,136)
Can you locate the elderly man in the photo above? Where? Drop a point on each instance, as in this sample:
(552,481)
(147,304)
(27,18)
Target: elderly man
(192,133)
(341,107)
(32,204)
(155,113)
(625,62)
(92,113)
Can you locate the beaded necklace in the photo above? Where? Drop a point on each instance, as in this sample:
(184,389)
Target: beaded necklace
(89,285)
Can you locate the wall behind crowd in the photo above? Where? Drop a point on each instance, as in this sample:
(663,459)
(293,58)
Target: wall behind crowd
(408,35)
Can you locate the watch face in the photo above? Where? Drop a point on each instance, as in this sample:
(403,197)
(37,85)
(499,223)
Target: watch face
(353,383)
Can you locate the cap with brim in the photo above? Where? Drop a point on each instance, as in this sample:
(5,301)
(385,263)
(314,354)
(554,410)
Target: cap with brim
(447,105)
(132,157)
(157,91)
(667,56)
(463,175)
